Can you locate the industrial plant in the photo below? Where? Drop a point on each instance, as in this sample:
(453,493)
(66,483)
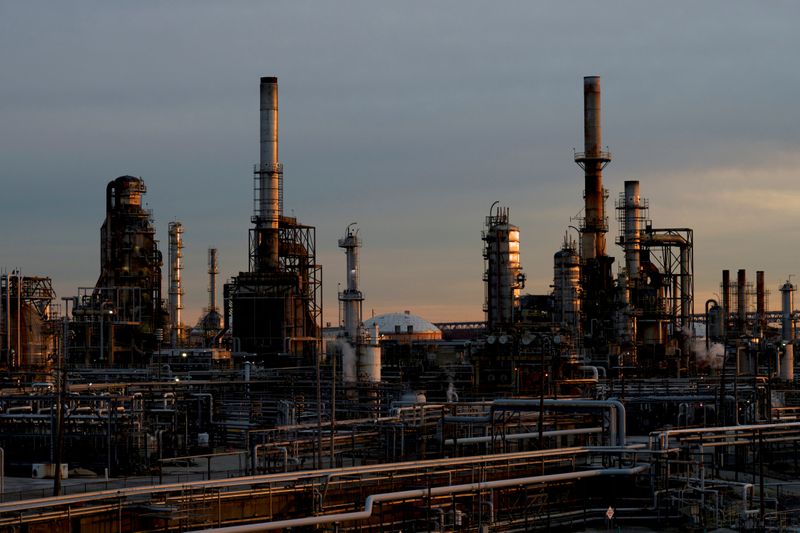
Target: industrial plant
(609,399)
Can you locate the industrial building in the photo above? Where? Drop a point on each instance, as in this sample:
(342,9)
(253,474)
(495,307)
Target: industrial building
(274,309)
(604,400)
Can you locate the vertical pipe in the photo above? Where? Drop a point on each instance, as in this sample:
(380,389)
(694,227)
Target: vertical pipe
(270,174)
(726,292)
(686,289)
(741,301)
(760,302)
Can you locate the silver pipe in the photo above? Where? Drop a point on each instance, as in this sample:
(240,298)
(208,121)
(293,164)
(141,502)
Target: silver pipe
(523,436)
(425,493)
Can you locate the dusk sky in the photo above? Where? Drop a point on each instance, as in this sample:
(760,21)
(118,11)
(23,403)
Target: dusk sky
(410,118)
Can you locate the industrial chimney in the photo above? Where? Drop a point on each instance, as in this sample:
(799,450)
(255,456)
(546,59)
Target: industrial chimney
(593,160)
(269,177)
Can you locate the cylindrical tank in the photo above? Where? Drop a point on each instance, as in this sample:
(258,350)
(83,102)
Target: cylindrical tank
(566,286)
(369,363)
(715,322)
(787,363)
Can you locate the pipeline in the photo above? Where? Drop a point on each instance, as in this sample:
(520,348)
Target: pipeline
(661,438)
(615,406)
(424,493)
(522,436)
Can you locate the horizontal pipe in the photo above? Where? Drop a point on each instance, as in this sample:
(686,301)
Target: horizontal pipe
(662,437)
(424,493)
(40,503)
(522,436)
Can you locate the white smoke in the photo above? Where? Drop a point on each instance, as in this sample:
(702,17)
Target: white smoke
(348,361)
(707,358)
(451,394)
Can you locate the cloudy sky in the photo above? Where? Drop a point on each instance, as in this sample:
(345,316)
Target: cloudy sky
(409,118)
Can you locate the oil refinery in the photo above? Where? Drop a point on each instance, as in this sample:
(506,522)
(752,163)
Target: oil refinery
(607,398)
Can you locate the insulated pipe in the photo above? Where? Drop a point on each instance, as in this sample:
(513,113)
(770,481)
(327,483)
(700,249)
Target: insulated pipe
(425,493)
(593,370)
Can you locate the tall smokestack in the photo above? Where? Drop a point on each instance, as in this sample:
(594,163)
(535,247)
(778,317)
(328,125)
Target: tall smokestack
(726,293)
(787,326)
(593,160)
(761,306)
(741,300)
(270,175)
(213,270)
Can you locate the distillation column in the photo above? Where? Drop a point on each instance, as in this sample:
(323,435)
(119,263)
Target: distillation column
(503,276)
(632,230)
(213,271)
(175,288)
(361,356)
(269,180)
(351,301)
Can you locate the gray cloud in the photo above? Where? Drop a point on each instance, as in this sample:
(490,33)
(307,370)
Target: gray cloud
(410,118)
